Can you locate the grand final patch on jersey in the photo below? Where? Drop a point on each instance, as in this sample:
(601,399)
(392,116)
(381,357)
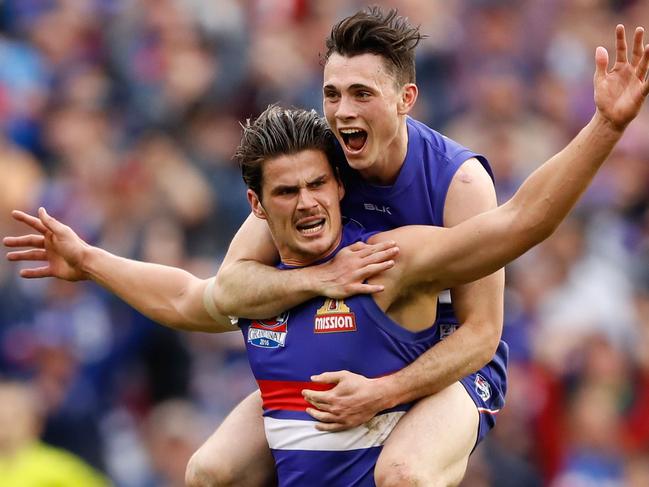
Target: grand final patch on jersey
(334,316)
(269,333)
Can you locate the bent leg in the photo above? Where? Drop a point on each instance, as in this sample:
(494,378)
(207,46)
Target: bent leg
(237,452)
(432,442)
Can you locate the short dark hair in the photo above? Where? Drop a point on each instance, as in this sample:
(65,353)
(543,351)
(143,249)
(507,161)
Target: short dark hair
(374,31)
(281,131)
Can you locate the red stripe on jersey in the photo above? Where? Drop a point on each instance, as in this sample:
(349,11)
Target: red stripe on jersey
(287,395)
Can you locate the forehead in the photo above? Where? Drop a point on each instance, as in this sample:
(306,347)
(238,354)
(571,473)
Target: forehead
(366,69)
(294,169)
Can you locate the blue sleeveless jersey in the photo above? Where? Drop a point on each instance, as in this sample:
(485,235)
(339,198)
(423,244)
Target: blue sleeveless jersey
(324,335)
(417,198)
(318,336)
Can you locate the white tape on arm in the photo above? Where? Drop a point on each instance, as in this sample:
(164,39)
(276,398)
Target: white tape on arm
(208,303)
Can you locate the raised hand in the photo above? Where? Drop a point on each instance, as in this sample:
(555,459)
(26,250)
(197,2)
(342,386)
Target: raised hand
(56,244)
(621,91)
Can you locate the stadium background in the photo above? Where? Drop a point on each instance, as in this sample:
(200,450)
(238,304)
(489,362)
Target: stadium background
(120,117)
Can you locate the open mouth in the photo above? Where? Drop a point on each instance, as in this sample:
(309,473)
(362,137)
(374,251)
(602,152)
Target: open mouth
(354,139)
(310,227)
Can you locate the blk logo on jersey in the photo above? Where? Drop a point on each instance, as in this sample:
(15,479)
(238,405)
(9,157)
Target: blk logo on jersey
(482,387)
(334,316)
(269,333)
(379,208)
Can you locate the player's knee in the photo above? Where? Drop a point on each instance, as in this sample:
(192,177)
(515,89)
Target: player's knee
(402,473)
(396,474)
(200,473)
(195,476)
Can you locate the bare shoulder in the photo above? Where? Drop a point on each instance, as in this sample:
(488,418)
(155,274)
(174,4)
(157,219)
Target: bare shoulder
(472,172)
(471,192)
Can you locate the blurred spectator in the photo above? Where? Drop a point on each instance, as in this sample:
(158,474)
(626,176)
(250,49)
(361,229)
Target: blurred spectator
(24,460)
(173,430)
(594,457)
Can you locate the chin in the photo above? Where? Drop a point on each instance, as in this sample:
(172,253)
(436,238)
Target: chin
(317,250)
(359,162)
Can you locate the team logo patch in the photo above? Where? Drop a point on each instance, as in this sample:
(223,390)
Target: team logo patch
(269,333)
(334,316)
(446,329)
(482,387)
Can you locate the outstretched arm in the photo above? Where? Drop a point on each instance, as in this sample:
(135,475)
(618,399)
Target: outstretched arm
(540,205)
(168,295)
(487,242)
(248,284)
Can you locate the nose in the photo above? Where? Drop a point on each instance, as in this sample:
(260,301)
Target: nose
(345,109)
(306,200)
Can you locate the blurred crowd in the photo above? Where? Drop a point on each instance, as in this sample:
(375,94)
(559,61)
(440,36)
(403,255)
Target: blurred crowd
(120,117)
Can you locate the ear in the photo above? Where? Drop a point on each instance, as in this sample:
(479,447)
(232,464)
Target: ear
(408,98)
(255,205)
(341,189)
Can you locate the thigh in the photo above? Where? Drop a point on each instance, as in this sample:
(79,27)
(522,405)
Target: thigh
(237,452)
(431,444)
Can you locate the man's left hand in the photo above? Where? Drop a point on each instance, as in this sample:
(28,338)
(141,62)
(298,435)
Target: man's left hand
(352,401)
(620,91)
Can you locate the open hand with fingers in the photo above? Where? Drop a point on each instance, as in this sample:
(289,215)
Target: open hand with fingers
(346,274)
(621,91)
(56,244)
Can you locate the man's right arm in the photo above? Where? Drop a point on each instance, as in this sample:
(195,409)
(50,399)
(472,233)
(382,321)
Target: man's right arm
(167,295)
(248,284)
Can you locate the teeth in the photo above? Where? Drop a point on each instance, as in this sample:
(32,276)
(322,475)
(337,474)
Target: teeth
(350,131)
(312,229)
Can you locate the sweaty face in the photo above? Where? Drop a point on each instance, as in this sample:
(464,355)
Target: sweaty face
(301,202)
(362,106)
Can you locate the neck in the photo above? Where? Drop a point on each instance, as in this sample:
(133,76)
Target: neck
(386,168)
(295,258)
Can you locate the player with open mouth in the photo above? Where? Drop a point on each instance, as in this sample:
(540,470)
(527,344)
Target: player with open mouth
(353,139)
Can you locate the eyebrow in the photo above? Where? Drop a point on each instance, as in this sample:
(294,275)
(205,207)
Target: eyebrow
(284,187)
(355,86)
(319,179)
(291,187)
